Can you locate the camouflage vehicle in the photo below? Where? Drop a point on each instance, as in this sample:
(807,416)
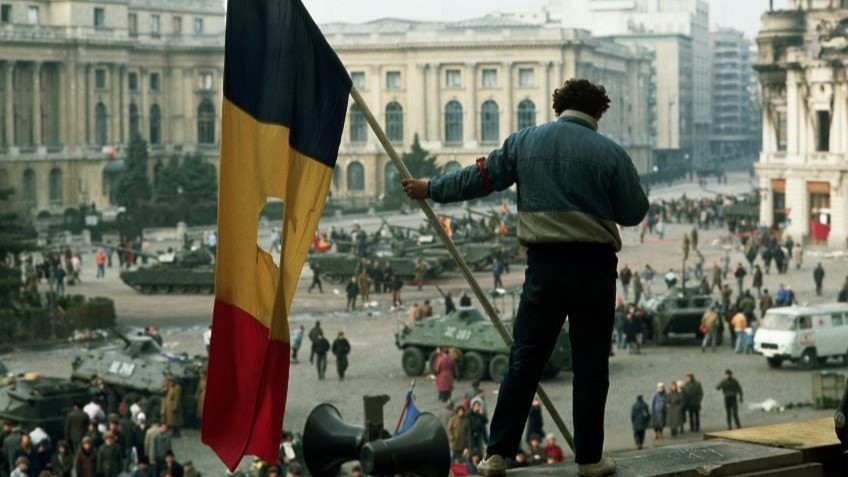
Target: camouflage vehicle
(33,400)
(189,272)
(139,366)
(484,354)
(679,311)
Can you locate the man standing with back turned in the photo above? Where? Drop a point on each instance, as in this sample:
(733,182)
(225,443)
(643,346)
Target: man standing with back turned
(574,186)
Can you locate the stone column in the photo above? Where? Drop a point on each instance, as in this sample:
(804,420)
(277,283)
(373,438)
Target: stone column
(434,107)
(471,133)
(79,101)
(546,67)
(114,116)
(10,104)
(36,104)
(62,91)
(510,107)
(423,71)
(144,107)
(88,106)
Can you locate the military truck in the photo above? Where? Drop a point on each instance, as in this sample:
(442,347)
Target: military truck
(678,311)
(189,272)
(484,354)
(33,400)
(139,365)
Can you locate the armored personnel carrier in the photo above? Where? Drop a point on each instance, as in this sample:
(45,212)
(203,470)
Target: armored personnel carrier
(189,272)
(484,354)
(32,400)
(338,267)
(679,311)
(140,365)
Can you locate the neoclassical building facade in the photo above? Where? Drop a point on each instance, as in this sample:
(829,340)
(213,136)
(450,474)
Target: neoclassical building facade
(803,53)
(78,78)
(463,87)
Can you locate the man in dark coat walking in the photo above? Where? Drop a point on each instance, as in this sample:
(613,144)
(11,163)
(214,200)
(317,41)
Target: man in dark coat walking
(313,335)
(320,348)
(341,348)
(640,418)
(76,425)
(818,277)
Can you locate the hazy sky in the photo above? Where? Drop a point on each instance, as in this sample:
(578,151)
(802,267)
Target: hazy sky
(740,14)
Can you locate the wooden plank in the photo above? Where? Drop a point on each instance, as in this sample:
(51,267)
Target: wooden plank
(804,470)
(716,458)
(812,437)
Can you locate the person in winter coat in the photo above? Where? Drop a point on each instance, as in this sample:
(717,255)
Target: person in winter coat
(674,405)
(172,405)
(62,462)
(478,425)
(709,323)
(320,348)
(535,424)
(296,342)
(444,372)
(659,410)
(757,280)
(341,348)
(818,278)
(625,275)
(85,462)
(694,393)
(640,418)
(76,424)
(552,450)
(109,457)
(313,335)
(352,290)
(458,432)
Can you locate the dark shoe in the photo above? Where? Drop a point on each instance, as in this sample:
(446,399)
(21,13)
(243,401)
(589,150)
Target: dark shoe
(606,466)
(492,466)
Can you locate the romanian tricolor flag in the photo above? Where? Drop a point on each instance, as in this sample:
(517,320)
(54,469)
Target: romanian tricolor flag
(285,98)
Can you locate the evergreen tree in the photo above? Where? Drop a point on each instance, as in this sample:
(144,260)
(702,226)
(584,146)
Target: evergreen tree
(133,185)
(168,181)
(199,179)
(16,237)
(420,164)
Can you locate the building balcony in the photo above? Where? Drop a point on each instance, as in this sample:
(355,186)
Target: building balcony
(776,157)
(826,159)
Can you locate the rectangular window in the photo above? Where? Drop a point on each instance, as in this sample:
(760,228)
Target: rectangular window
(393,80)
(205,82)
(154,82)
(5,13)
(178,25)
(132,23)
(781,131)
(32,15)
(100,79)
(836,320)
(99,18)
(453,78)
(490,78)
(823,136)
(132,79)
(198,26)
(154,25)
(358,78)
(525,77)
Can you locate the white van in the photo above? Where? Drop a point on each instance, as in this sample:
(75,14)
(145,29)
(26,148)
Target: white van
(808,335)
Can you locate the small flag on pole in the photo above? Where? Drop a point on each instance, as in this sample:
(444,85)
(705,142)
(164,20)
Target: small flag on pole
(285,99)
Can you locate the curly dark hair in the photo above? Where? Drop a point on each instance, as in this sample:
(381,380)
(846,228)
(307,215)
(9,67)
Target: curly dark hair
(581,95)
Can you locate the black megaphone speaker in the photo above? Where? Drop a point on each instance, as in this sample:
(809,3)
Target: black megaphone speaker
(329,442)
(422,451)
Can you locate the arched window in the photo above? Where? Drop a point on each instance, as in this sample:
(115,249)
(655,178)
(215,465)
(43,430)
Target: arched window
(452,166)
(355,176)
(453,122)
(358,131)
(55,186)
(29,187)
(155,125)
(135,120)
(526,114)
(394,122)
(101,131)
(206,123)
(391,178)
(489,123)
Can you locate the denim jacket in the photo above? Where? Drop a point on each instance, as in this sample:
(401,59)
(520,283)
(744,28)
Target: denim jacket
(574,184)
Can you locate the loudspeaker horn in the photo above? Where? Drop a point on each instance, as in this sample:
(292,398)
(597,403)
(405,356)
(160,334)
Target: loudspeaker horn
(422,451)
(329,442)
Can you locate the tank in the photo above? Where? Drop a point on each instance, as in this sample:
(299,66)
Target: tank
(679,311)
(189,272)
(33,400)
(339,267)
(484,354)
(139,365)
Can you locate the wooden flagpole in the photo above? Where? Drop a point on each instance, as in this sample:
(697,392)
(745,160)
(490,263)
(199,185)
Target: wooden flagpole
(454,253)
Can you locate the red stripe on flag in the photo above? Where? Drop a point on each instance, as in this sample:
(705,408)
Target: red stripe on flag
(247,383)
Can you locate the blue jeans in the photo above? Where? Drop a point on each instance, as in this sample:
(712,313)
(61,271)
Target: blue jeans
(574,280)
(740,341)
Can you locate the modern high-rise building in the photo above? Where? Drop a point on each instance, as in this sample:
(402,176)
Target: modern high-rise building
(463,87)
(803,167)
(734,134)
(678,33)
(78,78)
